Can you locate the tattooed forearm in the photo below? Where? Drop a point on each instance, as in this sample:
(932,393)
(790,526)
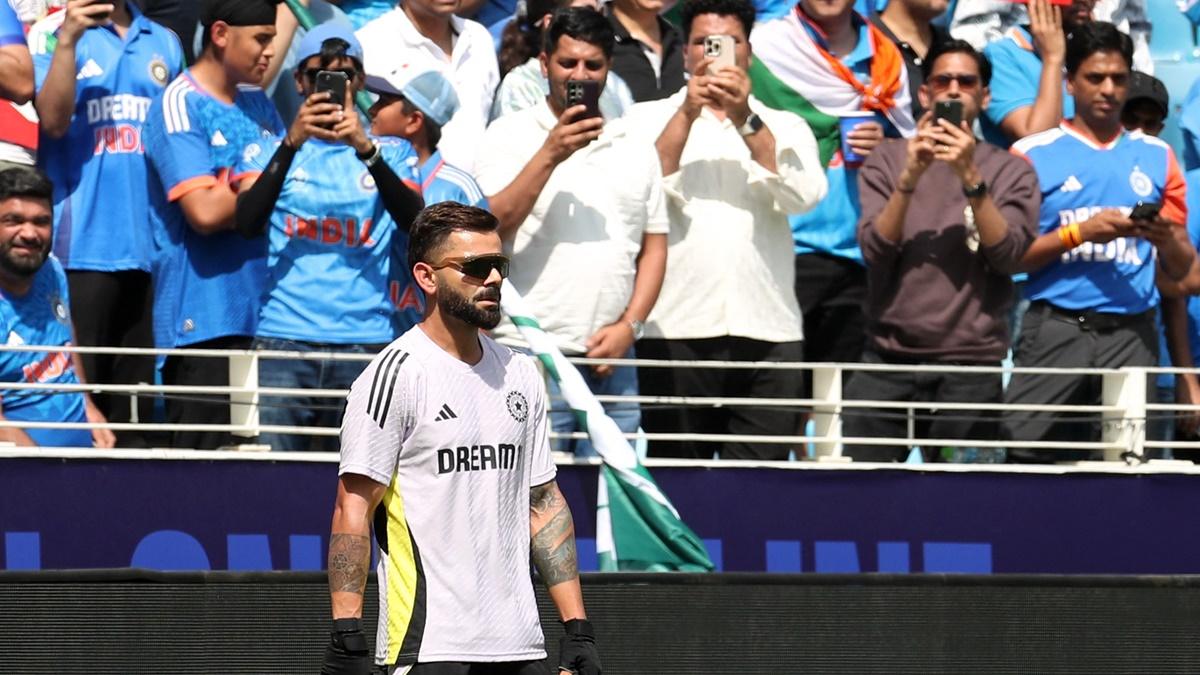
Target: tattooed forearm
(553,535)
(349,561)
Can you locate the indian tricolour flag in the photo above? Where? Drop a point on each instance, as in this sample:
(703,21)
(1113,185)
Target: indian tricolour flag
(637,528)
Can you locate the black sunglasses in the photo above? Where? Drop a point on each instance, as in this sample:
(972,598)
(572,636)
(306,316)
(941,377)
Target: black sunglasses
(350,73)
(966,81)
(477,267)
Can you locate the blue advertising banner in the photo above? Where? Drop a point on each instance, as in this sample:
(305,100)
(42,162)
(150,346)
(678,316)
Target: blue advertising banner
(58,513)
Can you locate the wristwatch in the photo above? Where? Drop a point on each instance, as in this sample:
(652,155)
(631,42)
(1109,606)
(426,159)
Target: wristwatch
(753,125)
(639,328)
(975,191)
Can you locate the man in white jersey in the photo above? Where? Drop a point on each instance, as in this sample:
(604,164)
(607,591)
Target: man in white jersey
(445,450)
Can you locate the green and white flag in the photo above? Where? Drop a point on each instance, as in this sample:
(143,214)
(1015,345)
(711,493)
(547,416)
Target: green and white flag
(637,528)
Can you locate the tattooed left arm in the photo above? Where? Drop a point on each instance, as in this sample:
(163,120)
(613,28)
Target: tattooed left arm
(552,540)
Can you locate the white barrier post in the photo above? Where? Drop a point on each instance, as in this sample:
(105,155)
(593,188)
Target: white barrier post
(827,415)
(1126,426)
(243,408)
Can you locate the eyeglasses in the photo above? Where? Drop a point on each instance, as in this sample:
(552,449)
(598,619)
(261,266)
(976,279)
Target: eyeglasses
(350,73)
(941,81)
(477,267)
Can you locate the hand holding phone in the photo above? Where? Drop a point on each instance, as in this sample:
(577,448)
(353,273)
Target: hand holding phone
(335,83)
(951,111)
(1145,211)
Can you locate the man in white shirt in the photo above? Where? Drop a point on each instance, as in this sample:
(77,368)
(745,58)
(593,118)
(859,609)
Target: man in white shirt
(421,35)
(733,170)
(581,207)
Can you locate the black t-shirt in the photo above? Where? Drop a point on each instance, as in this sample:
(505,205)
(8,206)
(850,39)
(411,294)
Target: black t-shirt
(631,63)
(181,16)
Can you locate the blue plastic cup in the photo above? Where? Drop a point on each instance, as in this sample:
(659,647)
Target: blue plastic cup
(846,123)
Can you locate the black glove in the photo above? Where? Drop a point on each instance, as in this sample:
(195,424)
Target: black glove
(347,652)
(577,649)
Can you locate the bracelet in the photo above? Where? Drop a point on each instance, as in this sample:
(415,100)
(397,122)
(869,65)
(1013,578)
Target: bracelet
(371,158)
(1070,236)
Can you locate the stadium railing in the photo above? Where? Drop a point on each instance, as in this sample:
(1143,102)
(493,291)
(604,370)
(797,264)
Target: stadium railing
(1126,403)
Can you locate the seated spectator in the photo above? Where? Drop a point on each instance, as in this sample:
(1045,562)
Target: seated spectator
(648,55)
(422,35)
(946,221)
(1028,91)
(18,133)
(330,200)
(415,109)
(208,281)
(523,84)
(909,24)
(733,170)
(34,310)
(581,205)
(823,61)
(1092,269)
(99,67)
(982,22)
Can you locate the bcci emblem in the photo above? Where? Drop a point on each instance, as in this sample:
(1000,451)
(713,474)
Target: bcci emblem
(60,310)
(159,72)
(253,150)
(366,182)
(518,407)
(1141,183)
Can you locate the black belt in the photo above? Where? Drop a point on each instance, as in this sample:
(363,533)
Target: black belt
(1088,319)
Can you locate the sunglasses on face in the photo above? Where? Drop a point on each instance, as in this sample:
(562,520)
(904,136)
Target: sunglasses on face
(477,267)
(966,82)
(350,73)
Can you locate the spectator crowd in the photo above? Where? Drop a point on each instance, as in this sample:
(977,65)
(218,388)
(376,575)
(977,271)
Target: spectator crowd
(907,182)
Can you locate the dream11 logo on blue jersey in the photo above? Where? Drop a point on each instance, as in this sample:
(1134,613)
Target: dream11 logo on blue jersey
(118,138)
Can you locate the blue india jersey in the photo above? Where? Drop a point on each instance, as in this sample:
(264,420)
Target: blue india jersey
(42,317)
(331,242)
(11,30)
(1080,177)
(1016,71)
(205,286)
(99,224)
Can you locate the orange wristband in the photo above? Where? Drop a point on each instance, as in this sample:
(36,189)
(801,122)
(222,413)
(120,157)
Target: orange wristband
(1076,235)
(1064,235)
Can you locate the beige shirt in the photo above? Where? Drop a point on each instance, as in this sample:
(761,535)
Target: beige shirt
(575,257)
(730,265)
(392,43)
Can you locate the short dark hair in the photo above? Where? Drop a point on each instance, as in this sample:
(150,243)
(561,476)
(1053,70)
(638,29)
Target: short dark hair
(1098,36)
(334,49)
(581,23)
(25,182)
(742,10)
(435,224)
(433,130)
(943,47)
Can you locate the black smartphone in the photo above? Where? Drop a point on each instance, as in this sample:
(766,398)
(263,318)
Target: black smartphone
(1145,211)
(335,83)
(951,111)
(587,93)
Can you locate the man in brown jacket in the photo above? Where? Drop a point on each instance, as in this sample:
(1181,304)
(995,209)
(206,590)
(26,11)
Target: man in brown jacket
(946,219)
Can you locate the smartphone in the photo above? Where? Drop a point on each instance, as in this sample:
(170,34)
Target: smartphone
(587,93)
(951,111)
(335,83)
(719,48)
(1145,211)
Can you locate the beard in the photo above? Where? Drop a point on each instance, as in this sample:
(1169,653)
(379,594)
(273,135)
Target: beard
(464,309)
(22,264)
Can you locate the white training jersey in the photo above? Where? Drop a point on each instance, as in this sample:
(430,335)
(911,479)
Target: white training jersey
(459,447)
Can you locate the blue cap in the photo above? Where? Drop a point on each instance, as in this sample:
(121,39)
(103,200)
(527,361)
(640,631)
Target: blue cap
(311,44)
(430,92)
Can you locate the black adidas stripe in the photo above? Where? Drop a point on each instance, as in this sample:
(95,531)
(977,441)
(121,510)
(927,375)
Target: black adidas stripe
(385,374)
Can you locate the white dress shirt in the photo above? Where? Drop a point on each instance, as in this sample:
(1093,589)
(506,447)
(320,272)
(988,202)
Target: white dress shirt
(392,43)
(575,257)
(730,265)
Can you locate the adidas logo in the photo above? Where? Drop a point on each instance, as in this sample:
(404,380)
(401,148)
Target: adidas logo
(218,139)
(445,414)
(1072,184)
(89,69)
(14,339)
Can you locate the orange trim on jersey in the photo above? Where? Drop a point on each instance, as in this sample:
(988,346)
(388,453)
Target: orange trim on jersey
(1013,150)
(1090,139)
(189,186)
(236,179)
(1174,206)
(1018,38)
